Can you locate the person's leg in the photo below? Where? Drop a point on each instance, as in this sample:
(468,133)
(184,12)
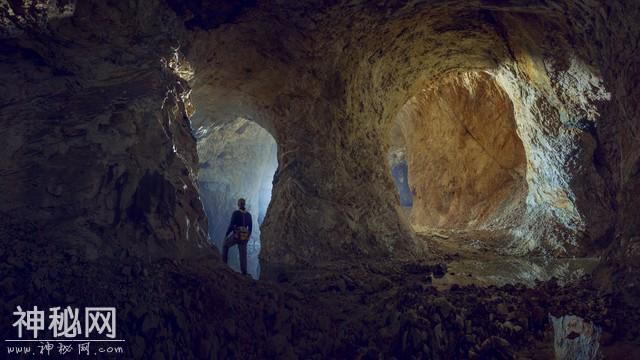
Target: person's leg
(228,242)
(242,249)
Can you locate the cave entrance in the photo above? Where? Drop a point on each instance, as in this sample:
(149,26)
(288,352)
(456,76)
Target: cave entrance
(465,164)
(237,159)
(466,169)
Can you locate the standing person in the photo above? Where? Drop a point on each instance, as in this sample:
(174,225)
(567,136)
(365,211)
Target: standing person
(238,233)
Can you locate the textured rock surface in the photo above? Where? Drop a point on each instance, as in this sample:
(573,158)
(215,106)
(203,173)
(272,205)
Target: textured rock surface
(466,162)
(558,83)
(99,165)
(100,151)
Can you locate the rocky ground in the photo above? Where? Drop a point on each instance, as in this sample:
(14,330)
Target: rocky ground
(394,309)
(361,309)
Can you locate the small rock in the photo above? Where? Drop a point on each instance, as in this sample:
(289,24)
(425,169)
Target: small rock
(511,327)
(502,309)
(277,344)
(230,326)
(416,268)
(282,278)
(444,307)
(470,338)
(138,347)
(494,344)
(150,322)
(439,270)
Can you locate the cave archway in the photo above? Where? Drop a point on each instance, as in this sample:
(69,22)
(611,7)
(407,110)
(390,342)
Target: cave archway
(457,140)
(237,159)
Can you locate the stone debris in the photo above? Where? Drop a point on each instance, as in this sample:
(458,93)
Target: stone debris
(575,339)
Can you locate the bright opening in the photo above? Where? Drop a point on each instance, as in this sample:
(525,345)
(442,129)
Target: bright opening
(237,160)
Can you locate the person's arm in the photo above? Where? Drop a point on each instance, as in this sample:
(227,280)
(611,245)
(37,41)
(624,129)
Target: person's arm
(250,224)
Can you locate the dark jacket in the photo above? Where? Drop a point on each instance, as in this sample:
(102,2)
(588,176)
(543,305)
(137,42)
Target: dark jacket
(240,218)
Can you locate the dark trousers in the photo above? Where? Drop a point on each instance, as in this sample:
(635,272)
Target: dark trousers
(242,249)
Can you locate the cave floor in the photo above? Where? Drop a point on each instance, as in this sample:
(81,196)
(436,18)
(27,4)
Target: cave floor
(488,304)
(361,308)
(477,258)
(378,308)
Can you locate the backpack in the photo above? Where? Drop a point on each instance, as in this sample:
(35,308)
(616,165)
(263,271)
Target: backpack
(242,232)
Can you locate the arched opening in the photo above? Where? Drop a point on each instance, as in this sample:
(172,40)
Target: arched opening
(237,159)
(465,142)
(465,162)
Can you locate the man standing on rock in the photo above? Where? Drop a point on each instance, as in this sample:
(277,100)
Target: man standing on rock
(238,233)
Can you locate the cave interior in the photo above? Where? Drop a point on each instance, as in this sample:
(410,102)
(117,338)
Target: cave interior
(428,179)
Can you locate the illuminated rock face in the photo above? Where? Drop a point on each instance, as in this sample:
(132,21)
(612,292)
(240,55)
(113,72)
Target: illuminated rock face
(483,155)
(466,162)
(333,194)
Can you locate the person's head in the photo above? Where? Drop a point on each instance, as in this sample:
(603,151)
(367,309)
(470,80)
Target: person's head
(241,204)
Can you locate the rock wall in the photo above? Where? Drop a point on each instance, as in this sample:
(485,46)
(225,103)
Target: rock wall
(466,162)
(100,160)
(562,88)
(100,204)
(326,201)
(336,109)
(100,153)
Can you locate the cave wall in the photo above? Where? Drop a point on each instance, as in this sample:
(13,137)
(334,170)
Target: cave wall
(558,219)
(326,80)
(371,65)
(326,202)
(556,96)
(466,162)
(100,153)
(616,156)
(100,205)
